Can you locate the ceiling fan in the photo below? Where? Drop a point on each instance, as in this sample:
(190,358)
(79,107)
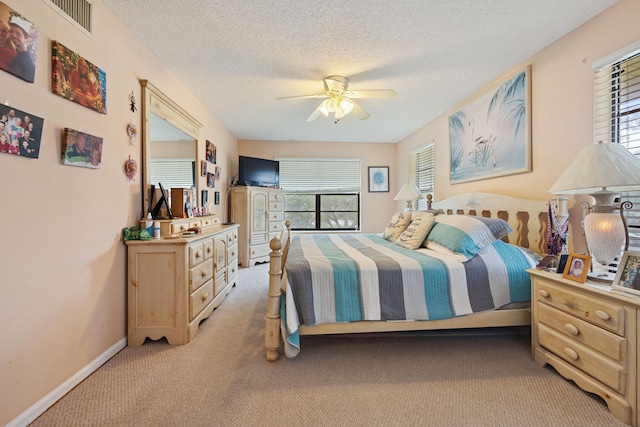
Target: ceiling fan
(339,100)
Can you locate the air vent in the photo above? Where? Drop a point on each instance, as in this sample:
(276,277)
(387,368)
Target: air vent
(76,11)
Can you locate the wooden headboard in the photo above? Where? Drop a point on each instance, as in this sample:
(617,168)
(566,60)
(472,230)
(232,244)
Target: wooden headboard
(528,218)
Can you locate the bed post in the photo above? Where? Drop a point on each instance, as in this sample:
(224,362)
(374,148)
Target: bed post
(272,321)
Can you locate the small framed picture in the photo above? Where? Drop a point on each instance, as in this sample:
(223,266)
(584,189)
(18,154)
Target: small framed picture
(546,262)
(577,267)
(216,198)
(562,262)
(203,167)
(378,179)
(627,278)
(211,180)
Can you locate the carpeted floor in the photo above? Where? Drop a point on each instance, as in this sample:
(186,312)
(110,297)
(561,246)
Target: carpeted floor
(221,378)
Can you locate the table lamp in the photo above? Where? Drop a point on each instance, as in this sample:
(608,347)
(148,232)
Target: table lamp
(408,192)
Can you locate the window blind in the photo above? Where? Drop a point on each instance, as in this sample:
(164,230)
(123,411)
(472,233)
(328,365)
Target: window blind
(421,171)
(320,175)
(617,119)
(173,172)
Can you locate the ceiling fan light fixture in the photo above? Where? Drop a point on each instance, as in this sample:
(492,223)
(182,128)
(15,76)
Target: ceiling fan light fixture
(346,105)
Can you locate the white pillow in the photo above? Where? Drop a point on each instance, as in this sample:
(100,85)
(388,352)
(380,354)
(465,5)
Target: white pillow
(416,232)
(399,222)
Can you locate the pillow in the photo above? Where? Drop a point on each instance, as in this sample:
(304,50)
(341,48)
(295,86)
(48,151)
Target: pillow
(399,222)
(465,235)
(416,232)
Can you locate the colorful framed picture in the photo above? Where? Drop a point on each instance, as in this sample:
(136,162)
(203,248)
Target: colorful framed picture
(577,267)
(81,149)
(378,179)
(211,180)
(491,135)
(20,44)
(77,79)
(20,132)
(211,152)
(628,275)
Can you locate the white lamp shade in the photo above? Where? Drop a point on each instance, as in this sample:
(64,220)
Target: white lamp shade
(598,166)
(605,234)
(408,191)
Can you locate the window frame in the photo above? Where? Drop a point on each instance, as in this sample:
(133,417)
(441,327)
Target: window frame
(422,162)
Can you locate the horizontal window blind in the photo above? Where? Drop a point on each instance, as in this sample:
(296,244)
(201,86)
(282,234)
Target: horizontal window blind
(422,171)
(326,175)
(173,172)
(617,119)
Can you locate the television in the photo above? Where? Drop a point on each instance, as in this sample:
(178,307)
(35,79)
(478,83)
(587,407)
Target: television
(258,172)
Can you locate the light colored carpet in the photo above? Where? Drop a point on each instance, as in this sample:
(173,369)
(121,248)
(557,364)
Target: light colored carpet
(221,378)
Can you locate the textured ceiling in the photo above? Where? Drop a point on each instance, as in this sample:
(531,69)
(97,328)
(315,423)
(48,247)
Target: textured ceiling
(239,56)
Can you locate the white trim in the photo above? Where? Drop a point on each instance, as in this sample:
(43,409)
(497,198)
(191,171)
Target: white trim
(616,56)
(38,408)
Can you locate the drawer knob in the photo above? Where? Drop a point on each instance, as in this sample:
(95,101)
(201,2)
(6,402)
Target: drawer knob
(603,315)
(208,250)
(205,296)
(203,273)
(198,254)
(571,353)
(573,330)
(543,293)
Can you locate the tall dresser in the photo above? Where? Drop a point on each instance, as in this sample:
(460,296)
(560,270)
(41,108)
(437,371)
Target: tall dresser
(260,213)
(589,334)
(173,284)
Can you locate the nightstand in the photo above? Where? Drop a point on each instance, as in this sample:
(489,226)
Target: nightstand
(589,334)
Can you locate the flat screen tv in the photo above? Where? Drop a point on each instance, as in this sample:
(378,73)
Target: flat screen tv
(258,172)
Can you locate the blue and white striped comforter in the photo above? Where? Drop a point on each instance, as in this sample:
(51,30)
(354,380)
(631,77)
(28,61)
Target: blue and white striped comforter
(352,277)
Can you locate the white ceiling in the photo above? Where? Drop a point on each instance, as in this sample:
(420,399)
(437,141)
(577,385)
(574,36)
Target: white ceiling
(239,56)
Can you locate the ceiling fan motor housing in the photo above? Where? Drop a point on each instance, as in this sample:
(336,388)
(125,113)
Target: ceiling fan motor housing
(336,84)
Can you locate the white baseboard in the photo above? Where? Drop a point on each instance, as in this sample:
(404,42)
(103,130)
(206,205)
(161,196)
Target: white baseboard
(43,404)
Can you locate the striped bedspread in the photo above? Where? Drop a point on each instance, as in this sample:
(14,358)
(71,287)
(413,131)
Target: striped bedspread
(353,277)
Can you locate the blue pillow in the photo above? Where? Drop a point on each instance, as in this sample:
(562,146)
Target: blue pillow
(465,235)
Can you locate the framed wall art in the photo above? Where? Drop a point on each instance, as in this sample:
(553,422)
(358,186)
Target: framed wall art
(378,179)
(211,152)
(20,132)
(491,135)
(211,180)
(81,149)
(77,79)
(19,45)
(627,277)
(577,267)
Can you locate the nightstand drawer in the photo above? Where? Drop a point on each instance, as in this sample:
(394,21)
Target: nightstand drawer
(605,314)
(594,337)
(604,370)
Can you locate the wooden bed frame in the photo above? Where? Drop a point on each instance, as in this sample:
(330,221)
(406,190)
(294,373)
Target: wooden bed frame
(528,218)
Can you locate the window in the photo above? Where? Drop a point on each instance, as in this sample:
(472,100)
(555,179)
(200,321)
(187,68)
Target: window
(321,194)
(617,117)
(173,172)
(421,171)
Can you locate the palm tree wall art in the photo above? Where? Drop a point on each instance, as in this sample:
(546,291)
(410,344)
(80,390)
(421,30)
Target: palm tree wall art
(490,136)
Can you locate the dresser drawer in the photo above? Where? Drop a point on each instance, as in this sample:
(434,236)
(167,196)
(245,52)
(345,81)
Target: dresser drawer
(200,298)
(604,370)
(232,254)
(232,270)
(208,248)
(608,315)
(232,238)
(195,223)
(276,206)
(276,226)
(200,274)
(594,337)
(196,254)
(258,251)
(276,196)
(276,216)
(179,228)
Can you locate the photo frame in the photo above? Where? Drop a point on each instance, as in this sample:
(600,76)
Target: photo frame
(562,262)
(627,278)
(491,135)
(20,132)
(211,180)
(218,171)
(77,79)
(23,58)
(203,167)
(81,149)
(378,179)
(211,152)
(577,267)
(216,198)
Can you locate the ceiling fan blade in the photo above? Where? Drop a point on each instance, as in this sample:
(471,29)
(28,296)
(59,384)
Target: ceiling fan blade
(360,112)
(316,113)
(316,95)
(373,93)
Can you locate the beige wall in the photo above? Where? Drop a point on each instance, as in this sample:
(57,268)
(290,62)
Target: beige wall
(63,285)
(562,112)
(376,208)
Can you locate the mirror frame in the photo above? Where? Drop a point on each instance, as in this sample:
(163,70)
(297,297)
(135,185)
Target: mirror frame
(154,101)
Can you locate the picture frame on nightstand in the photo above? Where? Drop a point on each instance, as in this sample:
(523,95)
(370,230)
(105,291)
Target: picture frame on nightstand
(577,267)
(628,275)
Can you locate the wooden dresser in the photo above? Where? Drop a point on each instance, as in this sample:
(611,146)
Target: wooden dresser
(173,284)
(260,213)
(589,334)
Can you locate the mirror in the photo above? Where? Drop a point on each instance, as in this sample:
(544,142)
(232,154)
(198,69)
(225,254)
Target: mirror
(169,145)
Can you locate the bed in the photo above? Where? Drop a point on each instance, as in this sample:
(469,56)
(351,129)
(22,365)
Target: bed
(467,270)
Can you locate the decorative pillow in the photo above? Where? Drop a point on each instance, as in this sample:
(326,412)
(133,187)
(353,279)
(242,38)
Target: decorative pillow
(399,222)
(464,234)
(416,232)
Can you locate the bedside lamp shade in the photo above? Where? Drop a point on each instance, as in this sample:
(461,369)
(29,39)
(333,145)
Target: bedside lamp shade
(602,170)
(408,192)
